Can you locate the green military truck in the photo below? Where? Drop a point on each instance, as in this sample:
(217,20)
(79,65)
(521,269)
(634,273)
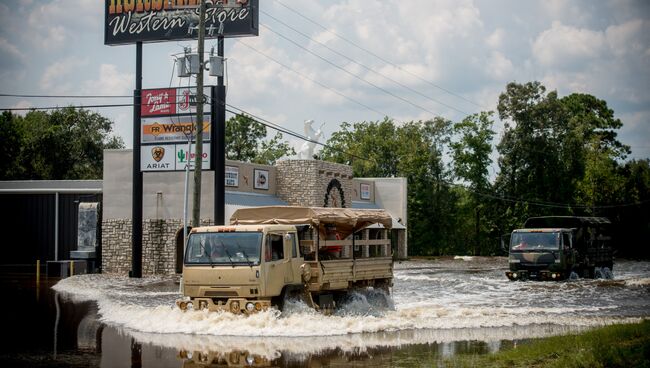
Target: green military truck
(267,254)
(561,247)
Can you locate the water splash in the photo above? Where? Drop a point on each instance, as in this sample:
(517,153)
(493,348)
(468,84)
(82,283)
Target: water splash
(446,297)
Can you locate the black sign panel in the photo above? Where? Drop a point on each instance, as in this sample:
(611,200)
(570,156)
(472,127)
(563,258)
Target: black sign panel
(131,21)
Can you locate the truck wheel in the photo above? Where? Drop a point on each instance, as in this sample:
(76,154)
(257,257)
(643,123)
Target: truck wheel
(607,273)
(598,273)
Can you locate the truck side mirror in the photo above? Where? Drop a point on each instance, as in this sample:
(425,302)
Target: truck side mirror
(505,242)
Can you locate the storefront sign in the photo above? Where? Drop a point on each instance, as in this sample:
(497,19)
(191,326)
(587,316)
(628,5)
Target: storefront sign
(365,191)
(158,157)
(172,157)
(131,21)
(173,129)
(232,176)
(172,101)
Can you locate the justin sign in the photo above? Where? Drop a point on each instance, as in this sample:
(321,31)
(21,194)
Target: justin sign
(131,21)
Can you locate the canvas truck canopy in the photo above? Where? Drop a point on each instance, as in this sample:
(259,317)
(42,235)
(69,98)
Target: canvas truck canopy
(566,222)
(346,220)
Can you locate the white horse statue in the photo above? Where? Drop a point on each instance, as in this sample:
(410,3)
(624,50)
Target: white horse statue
(307,149)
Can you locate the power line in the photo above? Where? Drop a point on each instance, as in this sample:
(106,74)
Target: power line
(292,133)
(544,204)
(377,56)
(299,136)
(364,66)
(311,79)
(63,107)
(63,96)
(352,74)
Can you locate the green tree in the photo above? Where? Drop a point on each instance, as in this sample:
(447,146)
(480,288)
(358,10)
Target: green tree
(11,137)
(633,218)
(592,159)
(554,149)
(471,161)
(530,164)
(558,156)
(413,150)
(471,153)
(245,141)
(63,144)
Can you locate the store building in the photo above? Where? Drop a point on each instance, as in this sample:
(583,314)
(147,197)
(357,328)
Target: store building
(290,182)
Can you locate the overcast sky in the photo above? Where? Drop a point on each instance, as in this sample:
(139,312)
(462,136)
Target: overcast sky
(409,59)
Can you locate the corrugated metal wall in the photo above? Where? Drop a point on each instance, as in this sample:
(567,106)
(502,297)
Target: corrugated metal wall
(27,226)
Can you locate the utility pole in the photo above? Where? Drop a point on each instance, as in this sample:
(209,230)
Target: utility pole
(219,145)
(200,100)
(136,193)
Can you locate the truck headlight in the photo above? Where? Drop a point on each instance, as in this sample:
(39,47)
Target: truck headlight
(515,260)
(234,307)
(250,307)
(514,275)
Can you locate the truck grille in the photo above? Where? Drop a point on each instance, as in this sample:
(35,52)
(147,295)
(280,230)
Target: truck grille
(220,293)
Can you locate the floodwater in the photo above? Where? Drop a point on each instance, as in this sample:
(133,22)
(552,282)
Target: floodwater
(438,309)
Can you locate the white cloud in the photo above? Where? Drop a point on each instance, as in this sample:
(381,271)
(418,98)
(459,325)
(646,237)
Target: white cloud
(54,79)
(498,66)
(12,57)
(52,25)
(628,37)
(568,47)
(111,81)
(22,104)
(496,38)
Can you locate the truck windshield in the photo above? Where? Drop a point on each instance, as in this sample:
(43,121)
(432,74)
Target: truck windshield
(535,241)
(224,248)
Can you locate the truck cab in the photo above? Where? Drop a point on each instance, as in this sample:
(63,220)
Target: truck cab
(240,268)
(544,254)
(559,247)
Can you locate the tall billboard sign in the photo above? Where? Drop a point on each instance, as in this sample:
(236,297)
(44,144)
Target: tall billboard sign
(131,21)
(167,123)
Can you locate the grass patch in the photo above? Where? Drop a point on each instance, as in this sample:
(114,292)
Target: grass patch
(625,345)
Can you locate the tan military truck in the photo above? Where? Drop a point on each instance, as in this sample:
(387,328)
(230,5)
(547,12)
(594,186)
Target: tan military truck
(269,254)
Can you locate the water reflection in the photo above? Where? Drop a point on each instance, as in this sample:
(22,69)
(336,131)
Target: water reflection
(441,310)
(120,347)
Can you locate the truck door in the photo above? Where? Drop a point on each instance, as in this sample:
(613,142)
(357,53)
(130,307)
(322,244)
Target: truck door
(277,263)
(567,249)
(291,240)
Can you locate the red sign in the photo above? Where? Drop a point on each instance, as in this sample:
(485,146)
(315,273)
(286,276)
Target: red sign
(158,102)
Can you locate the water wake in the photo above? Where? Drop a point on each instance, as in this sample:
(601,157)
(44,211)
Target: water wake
(444,304)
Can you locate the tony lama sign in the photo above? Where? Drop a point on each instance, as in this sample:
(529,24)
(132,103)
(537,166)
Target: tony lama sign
(131,21)
(172,101)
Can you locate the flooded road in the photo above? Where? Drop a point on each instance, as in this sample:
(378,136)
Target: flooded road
(438,309)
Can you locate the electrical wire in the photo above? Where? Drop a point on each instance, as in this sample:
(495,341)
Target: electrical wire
(312,80)
(63,96)
(277,127)
(377,56)
(352,74)
(362,65)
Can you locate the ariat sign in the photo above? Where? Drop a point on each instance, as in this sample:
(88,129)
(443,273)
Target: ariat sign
(172,157)
(131,21)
